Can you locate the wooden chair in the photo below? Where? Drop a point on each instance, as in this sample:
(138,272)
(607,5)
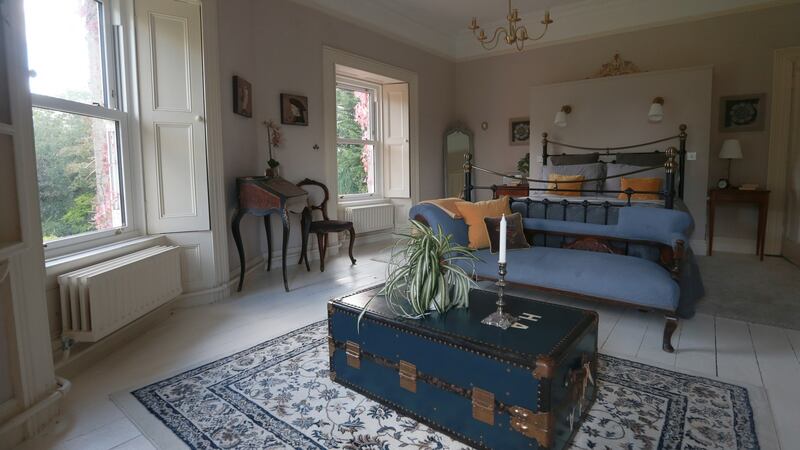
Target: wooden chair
(325,226)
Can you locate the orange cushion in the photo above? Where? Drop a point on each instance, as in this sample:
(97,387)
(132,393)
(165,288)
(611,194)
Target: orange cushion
(641,185)
(569,182)
(474,213)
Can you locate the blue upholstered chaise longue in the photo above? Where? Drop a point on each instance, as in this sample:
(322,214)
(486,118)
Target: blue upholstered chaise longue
(641,260)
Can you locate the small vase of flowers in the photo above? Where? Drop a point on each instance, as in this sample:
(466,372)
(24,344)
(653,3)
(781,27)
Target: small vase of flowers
(274,139)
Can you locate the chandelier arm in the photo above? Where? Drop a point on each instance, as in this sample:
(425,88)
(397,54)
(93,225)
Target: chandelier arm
(495,40)
(541,35)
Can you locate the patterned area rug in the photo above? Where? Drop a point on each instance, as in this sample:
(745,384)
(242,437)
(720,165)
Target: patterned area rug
(278,395)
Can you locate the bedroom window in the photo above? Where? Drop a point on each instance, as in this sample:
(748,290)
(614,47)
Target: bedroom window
(79,127)
(357,138)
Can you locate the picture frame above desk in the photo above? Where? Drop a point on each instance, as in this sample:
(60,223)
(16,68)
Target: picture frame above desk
(757,197)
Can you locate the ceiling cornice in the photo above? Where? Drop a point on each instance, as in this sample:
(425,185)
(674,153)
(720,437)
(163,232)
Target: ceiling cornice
(377,16)
(574,21)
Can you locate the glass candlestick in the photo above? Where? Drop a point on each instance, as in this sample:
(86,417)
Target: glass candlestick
(500,318)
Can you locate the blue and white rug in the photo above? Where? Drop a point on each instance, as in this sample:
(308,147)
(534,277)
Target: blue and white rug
(278,395)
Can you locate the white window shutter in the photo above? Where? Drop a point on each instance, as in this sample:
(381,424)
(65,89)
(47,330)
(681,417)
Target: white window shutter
(396,155)
(170,61)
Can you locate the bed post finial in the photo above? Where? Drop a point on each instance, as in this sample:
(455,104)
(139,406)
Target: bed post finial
(682,159)
(467,195)
(544,149)
(669,168)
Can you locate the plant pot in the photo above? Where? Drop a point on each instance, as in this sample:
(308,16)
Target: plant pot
(272,172)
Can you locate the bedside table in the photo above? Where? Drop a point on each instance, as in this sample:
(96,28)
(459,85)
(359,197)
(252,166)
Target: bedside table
(512,190)
(732,195)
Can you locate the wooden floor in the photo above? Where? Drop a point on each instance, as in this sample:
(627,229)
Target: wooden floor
(734,350)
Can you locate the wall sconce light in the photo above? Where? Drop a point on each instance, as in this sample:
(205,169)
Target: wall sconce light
(656,113)
(561,116)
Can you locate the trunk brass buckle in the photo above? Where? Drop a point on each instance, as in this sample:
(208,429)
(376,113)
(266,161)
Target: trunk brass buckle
(353,352)
(408,376)
(533,425)
(483,406)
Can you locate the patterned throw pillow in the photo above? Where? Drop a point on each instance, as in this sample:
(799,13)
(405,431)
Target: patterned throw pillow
(641,185)
(473,214)
(515,233)
(564,185)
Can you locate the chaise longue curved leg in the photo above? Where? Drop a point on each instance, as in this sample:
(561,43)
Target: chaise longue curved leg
(670,325)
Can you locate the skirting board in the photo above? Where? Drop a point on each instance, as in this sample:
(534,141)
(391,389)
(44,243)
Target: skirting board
(734,245)
(699,247)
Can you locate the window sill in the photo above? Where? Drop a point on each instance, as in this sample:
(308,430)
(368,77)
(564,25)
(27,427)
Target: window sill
(363,201)
(73,261)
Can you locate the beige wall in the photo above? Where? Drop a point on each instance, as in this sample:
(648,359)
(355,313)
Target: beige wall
(614,110)
(738,46)
(277,46)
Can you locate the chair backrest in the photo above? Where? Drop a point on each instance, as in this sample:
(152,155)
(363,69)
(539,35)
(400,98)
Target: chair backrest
(323,206)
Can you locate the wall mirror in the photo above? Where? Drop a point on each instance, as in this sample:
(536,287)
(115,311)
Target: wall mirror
(458,140)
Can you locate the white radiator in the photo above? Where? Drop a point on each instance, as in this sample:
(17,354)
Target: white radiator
(370,217)
(100,299)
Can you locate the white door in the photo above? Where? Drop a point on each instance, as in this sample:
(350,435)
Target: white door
(791,237)
(396,155)
(170,63)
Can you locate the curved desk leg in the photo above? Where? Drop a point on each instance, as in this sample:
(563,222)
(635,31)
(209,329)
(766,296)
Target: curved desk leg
(237,237)
(285,220)
(352,241)
(269,242)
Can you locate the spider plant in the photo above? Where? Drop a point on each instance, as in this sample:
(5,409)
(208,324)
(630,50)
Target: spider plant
(423,274)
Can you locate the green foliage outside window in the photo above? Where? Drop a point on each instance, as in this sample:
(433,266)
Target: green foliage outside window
(352,174)
(66,172)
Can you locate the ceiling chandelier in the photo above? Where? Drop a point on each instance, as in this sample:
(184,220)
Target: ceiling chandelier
(515,34)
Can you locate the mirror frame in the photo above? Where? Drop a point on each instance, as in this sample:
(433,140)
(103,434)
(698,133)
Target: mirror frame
(457,127)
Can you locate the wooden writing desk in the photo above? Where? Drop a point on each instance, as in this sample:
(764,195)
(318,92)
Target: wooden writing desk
(262,197)
(732,195)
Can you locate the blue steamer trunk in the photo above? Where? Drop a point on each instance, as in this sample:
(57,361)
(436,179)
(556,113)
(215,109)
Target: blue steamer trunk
(526,387)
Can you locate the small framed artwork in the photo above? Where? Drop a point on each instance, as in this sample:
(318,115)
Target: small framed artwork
(742,112)
(294,109)
(242,97)
(519,131)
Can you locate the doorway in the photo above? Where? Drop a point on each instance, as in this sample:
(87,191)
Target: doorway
(783,229)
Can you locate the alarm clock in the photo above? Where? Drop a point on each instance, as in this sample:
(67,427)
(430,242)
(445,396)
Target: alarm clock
(723,183)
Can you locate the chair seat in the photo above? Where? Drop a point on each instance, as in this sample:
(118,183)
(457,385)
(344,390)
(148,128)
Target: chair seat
(330,226)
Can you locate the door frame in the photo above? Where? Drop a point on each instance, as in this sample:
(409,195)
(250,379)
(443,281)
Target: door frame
(785,62)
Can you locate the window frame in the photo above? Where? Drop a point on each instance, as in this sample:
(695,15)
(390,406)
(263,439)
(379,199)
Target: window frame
(115,76)
(376,142)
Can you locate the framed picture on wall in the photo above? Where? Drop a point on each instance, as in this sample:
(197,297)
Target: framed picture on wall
(519,131)
(294,109)
(742,112)
(242,97)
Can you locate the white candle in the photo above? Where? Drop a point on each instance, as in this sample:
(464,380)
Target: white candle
(502,257)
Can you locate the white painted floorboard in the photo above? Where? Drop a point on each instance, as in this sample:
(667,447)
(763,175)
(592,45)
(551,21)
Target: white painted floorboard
(731,349)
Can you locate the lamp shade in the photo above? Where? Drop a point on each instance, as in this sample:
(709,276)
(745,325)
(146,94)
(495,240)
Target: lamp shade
(656,113)
(731,149)
(561,119)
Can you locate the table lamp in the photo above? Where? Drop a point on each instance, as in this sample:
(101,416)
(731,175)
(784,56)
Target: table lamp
(731,149)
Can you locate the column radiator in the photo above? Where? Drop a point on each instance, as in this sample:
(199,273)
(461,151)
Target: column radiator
(370,217)
(100,299)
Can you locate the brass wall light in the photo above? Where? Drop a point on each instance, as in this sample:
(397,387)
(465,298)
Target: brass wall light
(561,116)
(656,113)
